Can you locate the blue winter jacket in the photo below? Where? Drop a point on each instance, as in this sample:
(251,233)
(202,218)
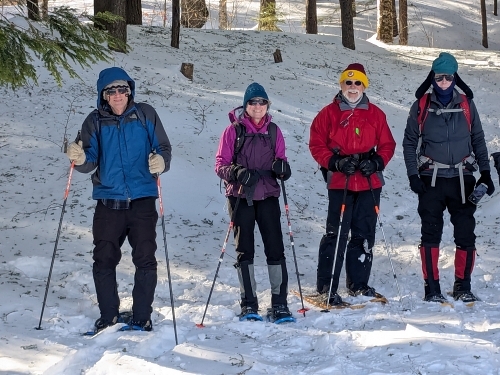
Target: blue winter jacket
(118,147)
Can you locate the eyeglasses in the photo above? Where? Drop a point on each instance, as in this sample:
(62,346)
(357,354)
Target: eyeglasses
(258,101)
(117,90)
(349,83)
(448,77)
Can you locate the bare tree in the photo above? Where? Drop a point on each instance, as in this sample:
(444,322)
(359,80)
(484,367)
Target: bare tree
(33,10)
(484,23)
(395,31)
(311,17)
(134,12)
(403,22)
(176,24)
(384,23)
(194,13)
(347,24)
(223,15)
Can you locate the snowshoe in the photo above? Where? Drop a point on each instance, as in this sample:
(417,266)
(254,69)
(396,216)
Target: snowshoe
(279,314)
(138,325)
(101,324)
(366,291)
(435,297)
(249,313)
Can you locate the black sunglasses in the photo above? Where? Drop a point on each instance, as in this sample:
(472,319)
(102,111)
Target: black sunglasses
(113,90)
(349,83)
(258,101)
(448,77)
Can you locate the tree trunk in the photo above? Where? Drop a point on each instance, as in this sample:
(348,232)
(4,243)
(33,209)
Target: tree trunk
(484,23)
(403,22)
(495,8)
(384,31)
(33,10)
(395,31)
(347,24)
(176,24)
(223,15)
(101,6)
(194,13)
(354,13)
(119,28)
(267,17)
(311,17)
(134,12)
(45,9)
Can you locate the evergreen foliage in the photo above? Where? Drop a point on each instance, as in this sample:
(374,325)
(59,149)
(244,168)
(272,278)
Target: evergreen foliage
(58,41)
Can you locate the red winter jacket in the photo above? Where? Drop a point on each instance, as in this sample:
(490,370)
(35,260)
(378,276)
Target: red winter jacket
(348,131)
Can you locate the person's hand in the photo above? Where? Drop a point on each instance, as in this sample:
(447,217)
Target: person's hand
(486,179)
(246,177)
(417,185)
(156,163)
(348,165)
(369,166)
(282,169)
(75,153)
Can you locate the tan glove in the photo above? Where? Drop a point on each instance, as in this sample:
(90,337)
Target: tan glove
(156,164)
(75,153)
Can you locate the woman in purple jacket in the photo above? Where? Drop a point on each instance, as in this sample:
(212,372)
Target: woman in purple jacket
(250,166)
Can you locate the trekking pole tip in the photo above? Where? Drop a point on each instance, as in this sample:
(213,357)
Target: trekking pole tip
(200,325)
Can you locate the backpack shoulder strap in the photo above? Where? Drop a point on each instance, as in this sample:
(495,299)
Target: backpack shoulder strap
(423,106)
(239,140)
(272,129)
(465,105)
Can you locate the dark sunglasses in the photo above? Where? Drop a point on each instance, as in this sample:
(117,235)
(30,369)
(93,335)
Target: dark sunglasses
(349,83)
(113,90)
(258,101)
(448,77)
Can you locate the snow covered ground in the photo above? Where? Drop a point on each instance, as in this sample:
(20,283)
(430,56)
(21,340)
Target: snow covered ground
(402,337)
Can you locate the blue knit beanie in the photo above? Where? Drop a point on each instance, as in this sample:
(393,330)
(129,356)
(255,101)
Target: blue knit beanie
(254,90)
(445,64)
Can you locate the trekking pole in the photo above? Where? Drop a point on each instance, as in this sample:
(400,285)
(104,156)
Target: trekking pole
(66,193)
(160,201)
(377,211)
(342,209)
(303,309)
(223,250)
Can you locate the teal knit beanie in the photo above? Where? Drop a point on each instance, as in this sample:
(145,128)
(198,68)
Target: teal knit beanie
(254,90)
(445,64)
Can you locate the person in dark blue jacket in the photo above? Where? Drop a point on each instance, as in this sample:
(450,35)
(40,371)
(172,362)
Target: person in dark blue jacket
(126,146)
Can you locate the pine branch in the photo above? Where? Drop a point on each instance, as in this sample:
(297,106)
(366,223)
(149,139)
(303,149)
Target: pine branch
(59,41)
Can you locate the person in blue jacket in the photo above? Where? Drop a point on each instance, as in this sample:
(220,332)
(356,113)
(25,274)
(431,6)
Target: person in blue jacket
(126,146)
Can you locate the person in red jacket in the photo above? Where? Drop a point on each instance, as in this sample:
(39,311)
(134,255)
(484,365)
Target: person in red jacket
(351,140)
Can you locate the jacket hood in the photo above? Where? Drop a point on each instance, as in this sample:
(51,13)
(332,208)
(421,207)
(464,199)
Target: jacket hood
(109,75)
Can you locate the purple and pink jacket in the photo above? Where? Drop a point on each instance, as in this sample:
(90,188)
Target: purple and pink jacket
(257,153)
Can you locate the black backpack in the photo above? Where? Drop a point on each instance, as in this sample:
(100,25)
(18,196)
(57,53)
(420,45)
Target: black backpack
(242,135)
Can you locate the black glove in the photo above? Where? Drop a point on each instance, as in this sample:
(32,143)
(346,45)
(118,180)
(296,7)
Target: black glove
(282,169)
(417,185)
(344,164)
(496,159)
(246,177)
(486,179)
(369,166)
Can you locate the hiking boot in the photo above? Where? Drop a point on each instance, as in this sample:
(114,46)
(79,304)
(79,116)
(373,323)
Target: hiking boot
(335,300)
(142,325)
(465,296)
(102,323)
(280,312)
(366,290)
(247,310)
(435,297)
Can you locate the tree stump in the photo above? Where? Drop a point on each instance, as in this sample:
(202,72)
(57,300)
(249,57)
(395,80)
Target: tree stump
(277,56)
(187,70)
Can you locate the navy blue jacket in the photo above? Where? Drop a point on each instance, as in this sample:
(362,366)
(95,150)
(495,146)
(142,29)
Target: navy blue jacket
(118,147)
